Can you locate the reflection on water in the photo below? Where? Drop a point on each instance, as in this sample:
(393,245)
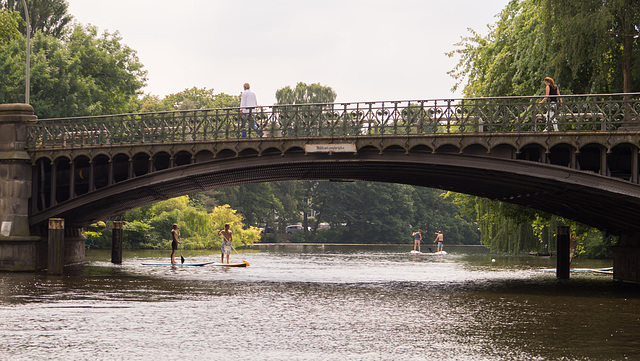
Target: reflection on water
(320,303)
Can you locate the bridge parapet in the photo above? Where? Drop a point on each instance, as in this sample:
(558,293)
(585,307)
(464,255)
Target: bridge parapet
(576,113)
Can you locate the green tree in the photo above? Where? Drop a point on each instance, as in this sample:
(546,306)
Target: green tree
(195,98)
(256,202)
(9,21)
(47,16)
(370,212)
(188,99)
(512,59)
(595,42)
(149,226)
(305,94)
(586,46)
(86,75)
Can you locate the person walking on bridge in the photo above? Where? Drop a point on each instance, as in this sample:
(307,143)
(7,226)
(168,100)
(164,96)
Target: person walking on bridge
(552,93)
(248,104)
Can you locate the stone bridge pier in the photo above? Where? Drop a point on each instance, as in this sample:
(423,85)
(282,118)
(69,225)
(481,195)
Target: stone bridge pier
(23,248)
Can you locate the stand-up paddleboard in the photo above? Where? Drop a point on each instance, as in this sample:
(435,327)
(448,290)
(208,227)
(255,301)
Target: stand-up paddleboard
(177,264)
(418,252)
(230,264)
(608,270)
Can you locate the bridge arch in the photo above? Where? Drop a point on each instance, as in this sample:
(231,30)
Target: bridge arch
(590,198)
(121,162)
(590,158)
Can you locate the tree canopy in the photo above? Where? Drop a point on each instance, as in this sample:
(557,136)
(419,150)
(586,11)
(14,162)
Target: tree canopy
(9,22)
(586,46)
(87,74)
(305,94)
(47,16)
(188,99)
(149,226)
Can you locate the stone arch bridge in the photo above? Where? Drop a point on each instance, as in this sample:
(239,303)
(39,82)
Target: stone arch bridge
(577,158)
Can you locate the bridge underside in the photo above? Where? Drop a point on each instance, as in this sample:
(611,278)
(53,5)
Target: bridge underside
(592,199)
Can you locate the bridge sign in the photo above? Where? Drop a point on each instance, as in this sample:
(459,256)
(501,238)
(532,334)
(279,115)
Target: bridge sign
(330,148)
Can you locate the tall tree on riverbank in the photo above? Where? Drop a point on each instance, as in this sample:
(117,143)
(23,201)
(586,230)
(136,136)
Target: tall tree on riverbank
(511,60)
(305,94)
(50,17)
(586,46)
(86,74)
(8,26)
(596,41)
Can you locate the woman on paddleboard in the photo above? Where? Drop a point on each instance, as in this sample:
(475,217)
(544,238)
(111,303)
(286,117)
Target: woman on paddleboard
(175,240)
(227,235)
(417,238)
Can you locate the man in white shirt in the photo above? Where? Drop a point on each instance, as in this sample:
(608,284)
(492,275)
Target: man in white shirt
(248,104)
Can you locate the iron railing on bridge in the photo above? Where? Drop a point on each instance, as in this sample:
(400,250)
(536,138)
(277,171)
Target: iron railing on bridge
(576,113)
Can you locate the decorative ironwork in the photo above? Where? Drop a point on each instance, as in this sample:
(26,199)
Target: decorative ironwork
(576,113)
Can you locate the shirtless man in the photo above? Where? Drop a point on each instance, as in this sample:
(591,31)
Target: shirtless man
(227,234)
(439,239)
(417,238)
(175,240)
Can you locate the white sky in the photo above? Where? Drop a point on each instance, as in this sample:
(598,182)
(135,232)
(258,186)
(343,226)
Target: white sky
(366,50)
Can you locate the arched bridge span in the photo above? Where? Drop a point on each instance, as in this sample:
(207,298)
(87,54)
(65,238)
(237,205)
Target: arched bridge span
(577,158)
(525,175)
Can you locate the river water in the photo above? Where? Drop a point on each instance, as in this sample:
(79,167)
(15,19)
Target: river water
(320,303)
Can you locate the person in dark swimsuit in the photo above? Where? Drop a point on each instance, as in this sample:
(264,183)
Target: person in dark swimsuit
(552,93)
(175,240)
(417,238)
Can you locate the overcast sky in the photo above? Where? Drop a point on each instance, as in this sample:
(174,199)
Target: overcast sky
(366,50)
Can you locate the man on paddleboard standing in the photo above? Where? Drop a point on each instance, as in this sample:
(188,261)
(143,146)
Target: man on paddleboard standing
(417,238)
(175,240)
(440,239)
(227,235)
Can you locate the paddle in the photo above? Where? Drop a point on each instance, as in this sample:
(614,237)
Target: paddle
(181,247)
(243,261)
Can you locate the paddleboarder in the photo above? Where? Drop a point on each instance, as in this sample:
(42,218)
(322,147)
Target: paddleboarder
(175,241)
(227,235)
(417,238)
(439,239)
